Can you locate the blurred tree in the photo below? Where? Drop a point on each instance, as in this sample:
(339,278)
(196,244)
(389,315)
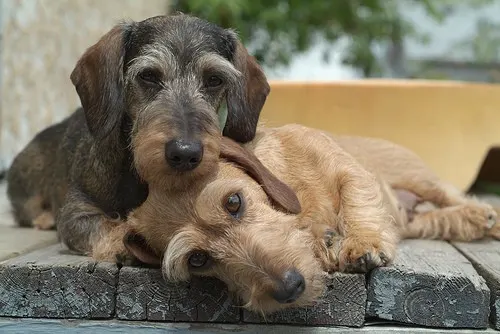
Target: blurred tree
(275,30)
(484,43)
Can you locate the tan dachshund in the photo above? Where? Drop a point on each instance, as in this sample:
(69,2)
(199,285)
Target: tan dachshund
(291,205)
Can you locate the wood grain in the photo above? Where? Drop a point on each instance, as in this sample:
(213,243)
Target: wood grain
(430,284)
(485,256)
(342,305)
(50,283)
(143,294)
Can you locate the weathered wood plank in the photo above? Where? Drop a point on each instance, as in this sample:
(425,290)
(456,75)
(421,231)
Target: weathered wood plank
(15,241)
(342,305)
(485,256)
(430,284)
(50,283)
(143,294)
(50,326)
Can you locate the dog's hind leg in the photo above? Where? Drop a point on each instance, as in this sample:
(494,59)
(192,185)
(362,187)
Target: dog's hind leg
(27,210)
(465,222)
(31,208)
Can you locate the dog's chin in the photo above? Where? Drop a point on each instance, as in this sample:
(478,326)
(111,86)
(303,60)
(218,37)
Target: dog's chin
(194,178)
(268,306)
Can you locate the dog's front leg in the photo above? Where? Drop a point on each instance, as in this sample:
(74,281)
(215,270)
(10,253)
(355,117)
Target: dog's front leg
(87,230)
(369,233)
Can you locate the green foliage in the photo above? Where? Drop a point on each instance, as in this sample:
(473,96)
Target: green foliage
(277,29)
(484,43)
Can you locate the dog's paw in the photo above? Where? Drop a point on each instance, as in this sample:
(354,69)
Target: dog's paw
(494,232)
(362,254)
(482,215)
(45,221)
(480,219)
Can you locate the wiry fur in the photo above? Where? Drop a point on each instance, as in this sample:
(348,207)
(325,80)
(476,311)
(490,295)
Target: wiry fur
(358,199)
(142,85)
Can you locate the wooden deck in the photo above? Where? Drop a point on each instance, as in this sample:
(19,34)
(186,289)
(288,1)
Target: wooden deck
(432,284)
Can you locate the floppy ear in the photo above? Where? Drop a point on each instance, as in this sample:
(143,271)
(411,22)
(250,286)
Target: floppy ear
(137,245)
(279,193)
(246,99)
(98,79)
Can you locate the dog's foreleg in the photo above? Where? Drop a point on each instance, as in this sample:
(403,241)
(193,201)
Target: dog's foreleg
(367,228)
(110,246)
(86,229)
(370,237)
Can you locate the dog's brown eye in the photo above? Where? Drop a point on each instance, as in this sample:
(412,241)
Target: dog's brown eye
(233,204)
(198,259)
(150,76)
(214,81)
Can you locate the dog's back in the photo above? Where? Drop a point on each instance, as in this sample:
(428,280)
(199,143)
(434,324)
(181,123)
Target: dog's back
(392,162)
(300,156)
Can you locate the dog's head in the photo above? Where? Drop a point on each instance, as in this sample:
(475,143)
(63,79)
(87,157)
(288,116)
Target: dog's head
(241,228)
(165,79)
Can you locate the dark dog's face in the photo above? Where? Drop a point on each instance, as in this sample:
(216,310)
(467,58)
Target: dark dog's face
(167,78)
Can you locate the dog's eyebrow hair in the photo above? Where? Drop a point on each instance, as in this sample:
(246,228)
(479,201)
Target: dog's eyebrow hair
(220,64)
(154,55)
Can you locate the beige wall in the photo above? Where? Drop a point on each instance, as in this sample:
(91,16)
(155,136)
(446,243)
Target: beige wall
(441,121)
(40,43)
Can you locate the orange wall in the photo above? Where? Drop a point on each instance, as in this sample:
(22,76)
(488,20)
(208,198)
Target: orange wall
(451,125)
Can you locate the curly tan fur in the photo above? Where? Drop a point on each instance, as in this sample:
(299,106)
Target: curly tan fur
(358,198)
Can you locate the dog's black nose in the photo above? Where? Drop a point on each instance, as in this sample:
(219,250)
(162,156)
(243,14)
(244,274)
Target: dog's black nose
(290,289)
(183,155)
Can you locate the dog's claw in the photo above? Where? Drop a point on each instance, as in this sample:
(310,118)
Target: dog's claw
(492,219)
(365,264)
(355,257)
(125,260)
(384,258)
(329,234)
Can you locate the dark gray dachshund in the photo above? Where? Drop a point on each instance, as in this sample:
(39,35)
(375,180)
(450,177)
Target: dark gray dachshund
(150,93)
